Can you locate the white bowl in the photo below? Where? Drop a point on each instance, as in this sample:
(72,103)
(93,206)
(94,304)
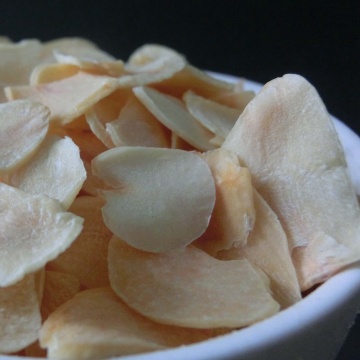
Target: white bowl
(313,329)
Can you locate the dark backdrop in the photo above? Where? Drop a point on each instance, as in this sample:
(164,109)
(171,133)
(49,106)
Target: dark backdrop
(256,39)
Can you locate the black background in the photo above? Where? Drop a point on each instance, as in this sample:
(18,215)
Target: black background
(255,39)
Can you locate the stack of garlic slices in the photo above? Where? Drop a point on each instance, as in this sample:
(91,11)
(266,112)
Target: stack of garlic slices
(145,205)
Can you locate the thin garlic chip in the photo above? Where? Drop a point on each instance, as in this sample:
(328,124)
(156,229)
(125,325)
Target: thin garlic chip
(111,68)
(147,57)
(34,230)
(234,213)
(47,173)
(96,324)
(187,287)
(86,258)
(267,247)
(75,46)
(196,80)
(105,111)
(19,315)
(174,115)
(108,108)
(16,62)
(48,73)
(238,98)
(161,198)
(23,126)
(287,139)
(136,126)
(59,287)
(90,146)
(151,64)
(98,127)
(68,98)
(217,118)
